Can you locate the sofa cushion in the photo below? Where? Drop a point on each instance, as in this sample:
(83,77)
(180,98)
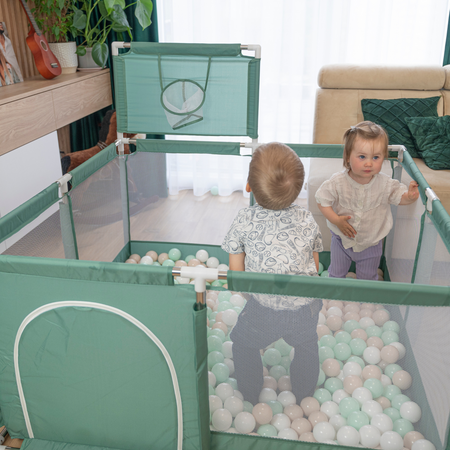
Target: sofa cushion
(432,137)
(391,114)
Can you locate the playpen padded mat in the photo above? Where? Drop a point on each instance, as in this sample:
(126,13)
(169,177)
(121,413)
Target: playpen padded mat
(79,388)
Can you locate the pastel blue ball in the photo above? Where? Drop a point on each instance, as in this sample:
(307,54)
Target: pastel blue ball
(358,419)
(325,274)
(389,336)
(327,341)
(375,386)
(214,358)
(214,343)
(233,383)
(333,384)
(325,353)
(224,296)
(189,257)
(403,426)
(391,369)
(344,337)
(374,330)
(267,430)
(217,332)
(391,325)
(342,351)
(321,378)
(174,254)
(347,406)
(320,268)
(214,190)
(393,413)
(358,360)
(357,346)
(276,406)
(391,391)
(223,306)
(248,407)
(221,371)
(322,395)
(351,325)
(277,372)
(283,347)
(156,263)
(168,262)
(216,283)
(272,357)
(398,401)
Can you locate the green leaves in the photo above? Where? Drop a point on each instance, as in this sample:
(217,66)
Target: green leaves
(119,17)
(79,19)
(143,12)
(100,54)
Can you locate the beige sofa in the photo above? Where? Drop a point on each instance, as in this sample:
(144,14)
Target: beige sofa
(338,106)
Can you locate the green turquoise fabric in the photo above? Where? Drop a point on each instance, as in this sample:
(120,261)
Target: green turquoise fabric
(432,137)
(391,115)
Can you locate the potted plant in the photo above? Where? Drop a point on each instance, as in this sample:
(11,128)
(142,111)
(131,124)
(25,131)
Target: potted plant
(95,33)
(55,17)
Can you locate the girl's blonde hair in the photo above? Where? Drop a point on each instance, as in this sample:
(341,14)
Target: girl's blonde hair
(366,130)
(275,176)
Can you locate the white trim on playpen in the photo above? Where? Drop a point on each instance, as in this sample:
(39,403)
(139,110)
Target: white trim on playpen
(50,306)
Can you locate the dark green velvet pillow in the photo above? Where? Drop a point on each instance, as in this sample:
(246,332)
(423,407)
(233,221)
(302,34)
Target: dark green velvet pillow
(391,114)
(432,137)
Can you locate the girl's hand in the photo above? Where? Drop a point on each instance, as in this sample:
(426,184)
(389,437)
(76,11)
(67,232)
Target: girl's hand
(345,228)
(413,191)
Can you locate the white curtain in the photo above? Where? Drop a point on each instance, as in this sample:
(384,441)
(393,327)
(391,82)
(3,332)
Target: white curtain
(297,38)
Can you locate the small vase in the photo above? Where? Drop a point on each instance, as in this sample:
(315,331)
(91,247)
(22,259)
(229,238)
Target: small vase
(65,52)
(86,62)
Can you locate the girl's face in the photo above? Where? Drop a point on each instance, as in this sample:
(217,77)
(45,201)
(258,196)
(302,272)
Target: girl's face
(366,159)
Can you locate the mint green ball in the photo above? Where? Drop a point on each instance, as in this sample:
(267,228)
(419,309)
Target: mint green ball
(398,401)
(389,336)
(189,257)
(327,341)
(325,274)
(211,390)
(393,413)
(403,426)
(344,337)
(216,283)
(321,378)
(373,331)
(391,325)
(347,406)
(214,344)
(358,360)
(286,362)
(375,386)
(214,358)
(223,306)
(248,407)
(221,371)
(357,346)
(233,383)
(283,347)
(276,406)
(217,332)
(320,268)
(351,325)
(267,431)
(277,372)
(214,190)
(333,384)
(272,357)
(213,316)
(322,395)
(156,263)
(237,309)
(391,391)
(357,419)
(168,262)
(342,351)
(211,322)
(224,296)
(390,369)
(325,353)
(174,254)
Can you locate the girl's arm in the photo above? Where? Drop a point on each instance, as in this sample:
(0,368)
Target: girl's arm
(316,260)
(237,262)
(411,195)
(340,221)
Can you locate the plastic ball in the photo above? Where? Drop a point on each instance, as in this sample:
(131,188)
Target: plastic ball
(288,433)
(343,337)
(362,395)
(221,419)
(366,322)
(325,274)
(168,262)
(412,437)
(391,369)
(347,435)
(357,419)
(375,341)
(262,413)
(351,383)
(402,379)
(390,440)
(234,404)
(286,398)
(309,405)
(224,390)
(321,268)
(266,395)
(351,325)
(329,408)
(398,401)
(322,330)
(333,384)
(359,333)
(280,421)
(357,346)
(277,372)
(230,317)
(267,430)
(411,411)
(321,378)
(384,402)
(337,421)
(342,351)
(375,387)
(244,422)
(130,261)
(202,255)
(322,395)
(215,402)
(214,190)
(371,371)
(324,431)
(423,444)
(331,367)
(338,395)
(317,417)
(393,413)
(382,422)
(380,317)
(369,436)
(293,412)
(374,331)
(403,426)
(147,260)
(136,257)
(174,254)
(301,425)
(401,349)
(272,357)
(372,355)
(347,406)
(307,437)
(237,300)
(270,382)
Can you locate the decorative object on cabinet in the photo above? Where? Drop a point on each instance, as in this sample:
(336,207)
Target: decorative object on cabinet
(9,67)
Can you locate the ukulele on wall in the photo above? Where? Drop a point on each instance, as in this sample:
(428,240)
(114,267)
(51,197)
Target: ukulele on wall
(46,62)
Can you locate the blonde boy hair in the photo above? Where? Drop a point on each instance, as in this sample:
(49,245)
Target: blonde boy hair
(366,130)
(275,176)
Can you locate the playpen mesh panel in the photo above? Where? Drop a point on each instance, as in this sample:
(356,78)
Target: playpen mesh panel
(187,89)
(98,217)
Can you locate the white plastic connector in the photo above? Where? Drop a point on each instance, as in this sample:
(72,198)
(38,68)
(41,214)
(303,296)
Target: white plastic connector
(200,275)
(255,48)
(398,148)
(247,148)
(116,45)
(431,197)
(63,184)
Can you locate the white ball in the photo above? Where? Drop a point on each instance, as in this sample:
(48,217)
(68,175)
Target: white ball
(341,376)
(401,349)
(288,433)
(237,300)
(267,395)
(322,319)
(234,404)
(202,255)
(227,349)
(352,368)
(334,311)
(323,431)
(244,422)
(212,262)
(330,409)
(223,267)
(339,394)
(362,394)
(347,435)
(229,317)
(224,390)
(423,444)
(280,421)
(222,419)
(338,421)
(211,379)
(286,398)
(369,436)
(371,408)
(238,394)
(372,355)
(383,422)
(230,364)
(183,280)
(391,440)
(366,322)
(147,260)
(385,380)
(215,403)
(411,411)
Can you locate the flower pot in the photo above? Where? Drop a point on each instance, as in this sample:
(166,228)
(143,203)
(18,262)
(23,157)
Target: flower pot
(86,62)
(65,52)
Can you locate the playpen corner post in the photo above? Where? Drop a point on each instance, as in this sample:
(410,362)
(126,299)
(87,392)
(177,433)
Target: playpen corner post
(120,144)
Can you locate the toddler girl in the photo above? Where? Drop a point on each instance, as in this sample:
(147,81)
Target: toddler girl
(356,202)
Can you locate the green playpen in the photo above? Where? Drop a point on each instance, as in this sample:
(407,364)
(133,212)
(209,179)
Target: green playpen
(97,351)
